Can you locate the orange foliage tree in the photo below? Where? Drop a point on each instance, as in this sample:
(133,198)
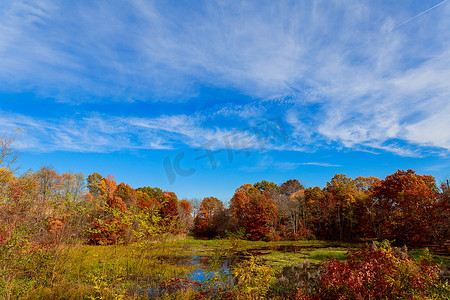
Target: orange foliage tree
(204,223)
(109,227)
(185,213)
(127,194)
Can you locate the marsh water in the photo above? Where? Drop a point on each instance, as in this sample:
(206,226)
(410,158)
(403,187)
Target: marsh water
(209,265)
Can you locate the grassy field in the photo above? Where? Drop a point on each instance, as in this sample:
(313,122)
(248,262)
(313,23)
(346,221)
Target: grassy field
(139,270)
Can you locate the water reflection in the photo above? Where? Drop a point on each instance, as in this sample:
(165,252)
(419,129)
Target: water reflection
(207,265)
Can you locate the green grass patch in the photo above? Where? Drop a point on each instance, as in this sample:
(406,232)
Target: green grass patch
(279,259)
(283,259)
(111,271)
(443,260)
(324,254)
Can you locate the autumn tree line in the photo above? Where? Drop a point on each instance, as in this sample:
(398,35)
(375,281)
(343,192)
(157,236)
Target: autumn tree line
(71,208)
(405,206)
(68,207)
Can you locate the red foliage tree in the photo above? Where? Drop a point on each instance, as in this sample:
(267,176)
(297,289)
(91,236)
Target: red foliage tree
(169,212)
(255,211)
(403,204)
(169,208)
(146,201)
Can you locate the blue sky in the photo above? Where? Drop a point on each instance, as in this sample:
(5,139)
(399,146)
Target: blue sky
(199,97)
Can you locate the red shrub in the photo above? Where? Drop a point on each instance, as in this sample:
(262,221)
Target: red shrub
(377,273)
(108,232)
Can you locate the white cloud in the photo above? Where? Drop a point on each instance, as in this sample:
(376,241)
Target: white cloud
(432,131)
(102,133)
(249,111)
(378,76)
(263,163)
(320,164)
(266,162)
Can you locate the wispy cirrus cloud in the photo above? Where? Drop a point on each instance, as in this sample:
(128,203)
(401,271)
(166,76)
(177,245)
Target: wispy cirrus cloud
(103,133)
(320,164)
(267,162)
(342,73)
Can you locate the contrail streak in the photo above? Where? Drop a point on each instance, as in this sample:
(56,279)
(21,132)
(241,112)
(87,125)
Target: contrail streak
(418,15)
(399,25)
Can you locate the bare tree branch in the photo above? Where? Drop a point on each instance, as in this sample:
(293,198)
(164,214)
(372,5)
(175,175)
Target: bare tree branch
(8,156)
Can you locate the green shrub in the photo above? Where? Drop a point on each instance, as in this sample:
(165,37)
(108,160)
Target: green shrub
(253,278)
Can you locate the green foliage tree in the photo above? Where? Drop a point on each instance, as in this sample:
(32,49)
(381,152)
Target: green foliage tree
(93,184)
(267,186)
(155,192)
